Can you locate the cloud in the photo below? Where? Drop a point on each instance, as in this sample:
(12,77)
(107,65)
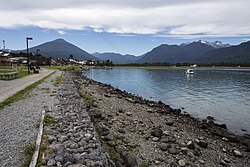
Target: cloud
(180,18)
(61,32)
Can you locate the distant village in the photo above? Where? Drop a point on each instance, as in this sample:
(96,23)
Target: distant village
(10,58)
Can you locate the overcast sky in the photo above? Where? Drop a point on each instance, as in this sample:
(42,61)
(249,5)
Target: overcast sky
(127,26)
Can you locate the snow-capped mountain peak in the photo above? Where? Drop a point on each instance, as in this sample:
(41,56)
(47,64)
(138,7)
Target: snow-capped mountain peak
(215,44)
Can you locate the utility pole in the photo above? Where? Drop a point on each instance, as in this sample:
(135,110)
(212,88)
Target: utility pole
(28,56)
(3,44)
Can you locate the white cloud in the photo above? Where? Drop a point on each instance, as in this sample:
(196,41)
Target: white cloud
(61,32)
(181,18)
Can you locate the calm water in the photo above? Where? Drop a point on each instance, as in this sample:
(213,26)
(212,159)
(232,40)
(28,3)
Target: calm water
(221,93)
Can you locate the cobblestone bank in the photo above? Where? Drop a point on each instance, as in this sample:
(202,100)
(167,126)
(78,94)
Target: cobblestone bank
(70,135)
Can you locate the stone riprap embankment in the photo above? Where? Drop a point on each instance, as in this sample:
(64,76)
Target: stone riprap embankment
(138,132)
(19,120)
(72,141)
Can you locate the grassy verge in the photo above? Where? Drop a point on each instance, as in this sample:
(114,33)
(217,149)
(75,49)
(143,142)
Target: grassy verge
(62,67)
(59,80)
(6,67)
(28,153)
(5,71)
(21,94)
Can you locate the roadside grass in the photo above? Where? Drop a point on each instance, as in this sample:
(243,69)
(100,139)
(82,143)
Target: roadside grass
(59,80)
(22,93)
(5,67)
(28,153)
(2,71)
(144,163)
(65,67)
(88,98)
(49,120)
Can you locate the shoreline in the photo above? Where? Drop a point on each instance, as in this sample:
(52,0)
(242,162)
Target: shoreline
(208,119)
(205,127)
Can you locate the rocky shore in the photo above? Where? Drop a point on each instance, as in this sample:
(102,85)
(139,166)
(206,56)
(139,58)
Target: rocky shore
(70,137)
(98,125)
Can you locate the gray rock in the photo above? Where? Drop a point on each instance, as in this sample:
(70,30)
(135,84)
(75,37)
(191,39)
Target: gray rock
(56,147)
(121,131)
(202,144)
(69,158)
(59,158)
(190,145)
(181,162)
(77,165)
(51,162)
(130,160)
(190,154)
(196,152)
(173,164)
(184,150)
(238,153)
(201,161)
(164,146)
(173,150)
(155,139)
(74,146)
(62,138)
(157,132)
(78,157)
(51,138)
(223,163)
(169,122)
(150,110)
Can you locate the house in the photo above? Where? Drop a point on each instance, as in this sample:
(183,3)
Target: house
(4,58)
(18,61)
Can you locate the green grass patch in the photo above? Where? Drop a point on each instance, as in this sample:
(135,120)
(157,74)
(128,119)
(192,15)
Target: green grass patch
(88,98)
(49,120)
(59,80)
(28,153)
(5,67)
(62,67)
(5,71)
(22,93)
(23,74)
(144,163)
(42,149)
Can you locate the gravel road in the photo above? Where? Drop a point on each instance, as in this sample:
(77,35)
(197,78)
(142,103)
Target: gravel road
(18,122)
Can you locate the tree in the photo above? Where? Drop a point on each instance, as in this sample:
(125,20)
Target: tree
(71,56)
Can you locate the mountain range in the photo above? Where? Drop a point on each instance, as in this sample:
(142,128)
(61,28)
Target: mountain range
(62,49)
(117,58)
(200,52)
(239,54)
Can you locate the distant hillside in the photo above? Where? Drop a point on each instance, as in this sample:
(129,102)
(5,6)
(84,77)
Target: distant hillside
(117,58)
(239,54)
(62,49)
(184,53)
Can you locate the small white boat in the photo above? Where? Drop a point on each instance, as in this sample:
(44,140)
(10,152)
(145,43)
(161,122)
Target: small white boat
(189,71)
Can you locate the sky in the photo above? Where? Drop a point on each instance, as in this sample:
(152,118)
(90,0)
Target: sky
(123,26)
